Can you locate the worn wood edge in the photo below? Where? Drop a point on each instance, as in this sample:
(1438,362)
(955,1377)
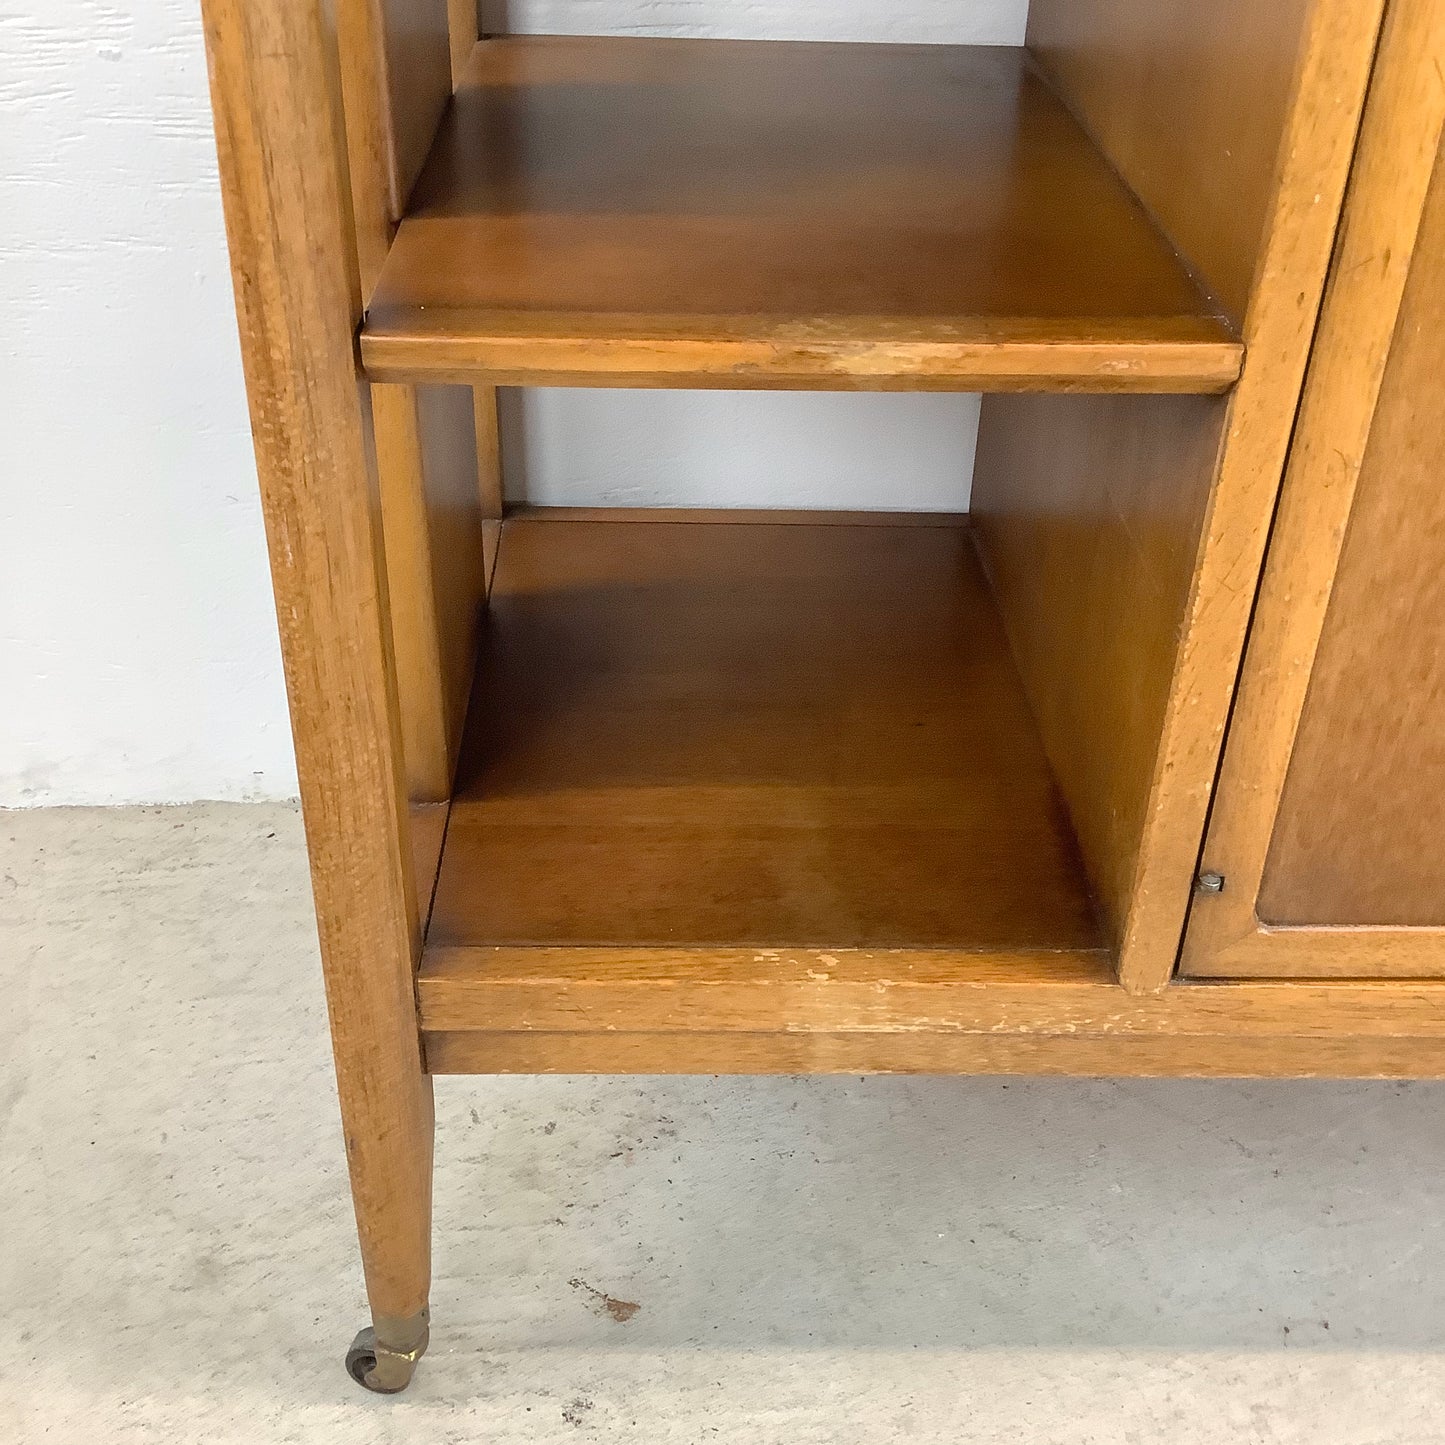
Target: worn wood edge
(849,361)
(1330,84)
(580,990)
(1182,1056)
(1389,184)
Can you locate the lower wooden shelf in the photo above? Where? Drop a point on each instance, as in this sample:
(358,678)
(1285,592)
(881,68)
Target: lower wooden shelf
(756,734)
(766,796)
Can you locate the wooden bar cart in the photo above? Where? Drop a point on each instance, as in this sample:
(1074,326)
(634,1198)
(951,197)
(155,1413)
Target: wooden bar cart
(642,792)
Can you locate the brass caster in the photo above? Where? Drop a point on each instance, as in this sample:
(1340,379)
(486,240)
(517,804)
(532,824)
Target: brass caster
(385,1366)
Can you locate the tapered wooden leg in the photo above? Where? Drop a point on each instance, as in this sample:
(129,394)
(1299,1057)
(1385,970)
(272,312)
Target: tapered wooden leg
(274,87)
(386,1110)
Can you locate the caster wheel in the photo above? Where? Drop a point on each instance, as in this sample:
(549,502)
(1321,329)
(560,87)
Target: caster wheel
(380,1369)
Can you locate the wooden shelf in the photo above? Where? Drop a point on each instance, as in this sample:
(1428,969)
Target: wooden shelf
(641,212)
(713,750)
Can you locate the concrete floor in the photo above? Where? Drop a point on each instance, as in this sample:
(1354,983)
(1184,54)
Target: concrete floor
(949,1260)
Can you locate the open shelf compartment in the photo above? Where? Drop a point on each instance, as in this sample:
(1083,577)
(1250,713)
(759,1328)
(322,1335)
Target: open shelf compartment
(650,212)
(727,765)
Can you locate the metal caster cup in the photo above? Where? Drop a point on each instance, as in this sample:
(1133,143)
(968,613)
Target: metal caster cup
(383,1357)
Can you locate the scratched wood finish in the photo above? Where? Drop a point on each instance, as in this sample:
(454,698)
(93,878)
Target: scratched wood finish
(1341,691)
(1205,1057)
(670,1010)
(1146,865)
(657,212)
(766,734)
(436,558)
(273,91)
(647,990)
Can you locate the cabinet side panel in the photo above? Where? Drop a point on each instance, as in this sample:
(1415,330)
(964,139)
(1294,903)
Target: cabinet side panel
(455,515)
(1189,100)
(1358,836)
(436,568)
(396,79)
(1088,513)
(416,58)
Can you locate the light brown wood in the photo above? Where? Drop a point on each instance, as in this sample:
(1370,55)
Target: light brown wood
(752,734)
(1365,465)
(1190,99)
(416,72)
(1209,1056)
(428,832)
(738,517)
(427,457)
(1088,512)
(1287,267)
(437,567)
(363,90)
(1360,826)
(750,990)
(395,69)
(489,453)
(273,89)
(758,354)
(462,27)
(787,1010)
(778,214)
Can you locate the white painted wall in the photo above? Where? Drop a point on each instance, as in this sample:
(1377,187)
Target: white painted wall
(138,657)
(748,449)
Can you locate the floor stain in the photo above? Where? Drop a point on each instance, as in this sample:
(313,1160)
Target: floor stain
(576,1412)
(621,1310)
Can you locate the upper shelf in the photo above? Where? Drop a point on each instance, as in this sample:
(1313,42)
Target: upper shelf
(780,214)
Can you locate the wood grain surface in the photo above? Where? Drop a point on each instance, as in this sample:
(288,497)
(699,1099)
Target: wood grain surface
(770,734)
(437,568)
(1087,512)
(1161,87)
(763,213)
(1362,821)
(273,92)
(1358,539)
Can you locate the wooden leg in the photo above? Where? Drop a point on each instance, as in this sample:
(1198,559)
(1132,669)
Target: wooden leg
(273,83)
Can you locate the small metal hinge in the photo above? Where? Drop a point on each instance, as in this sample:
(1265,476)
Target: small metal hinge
(1209,883)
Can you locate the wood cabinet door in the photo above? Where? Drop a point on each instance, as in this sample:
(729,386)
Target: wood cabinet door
(1325,850)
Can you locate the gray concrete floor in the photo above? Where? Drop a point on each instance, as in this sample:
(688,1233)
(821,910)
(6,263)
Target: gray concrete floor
(949,1260)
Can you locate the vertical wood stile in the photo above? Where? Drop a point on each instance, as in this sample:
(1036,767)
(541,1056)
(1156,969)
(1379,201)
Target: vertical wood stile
(288,223)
